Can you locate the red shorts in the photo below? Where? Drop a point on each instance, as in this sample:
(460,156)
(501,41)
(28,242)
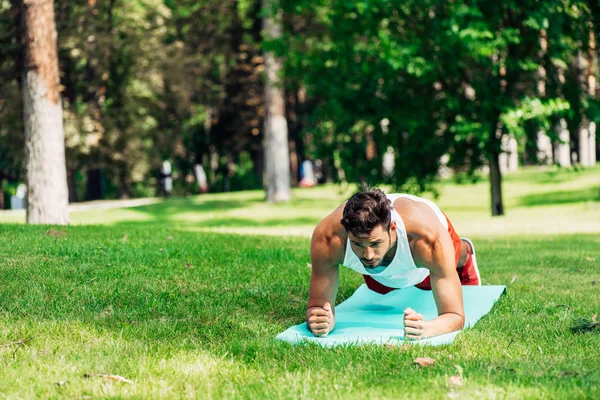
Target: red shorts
(426,284)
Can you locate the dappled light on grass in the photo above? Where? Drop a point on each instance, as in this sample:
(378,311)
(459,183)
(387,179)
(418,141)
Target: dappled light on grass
(195,314)
(183,312)
(537,202)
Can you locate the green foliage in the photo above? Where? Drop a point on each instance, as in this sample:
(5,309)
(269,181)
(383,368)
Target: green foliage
(150,80)
(533,109)
(445,76)
(143,84)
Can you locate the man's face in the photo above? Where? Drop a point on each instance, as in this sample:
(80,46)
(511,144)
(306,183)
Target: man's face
(372,248)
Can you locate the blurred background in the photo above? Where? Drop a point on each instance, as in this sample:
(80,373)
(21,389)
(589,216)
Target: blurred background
(173,98)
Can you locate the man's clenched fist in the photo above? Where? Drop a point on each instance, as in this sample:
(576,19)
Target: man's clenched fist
(320,320)
(414,324)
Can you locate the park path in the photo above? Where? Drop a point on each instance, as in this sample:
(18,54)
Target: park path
(94,205)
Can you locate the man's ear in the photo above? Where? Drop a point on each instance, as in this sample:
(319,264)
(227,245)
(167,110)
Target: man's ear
(393,226)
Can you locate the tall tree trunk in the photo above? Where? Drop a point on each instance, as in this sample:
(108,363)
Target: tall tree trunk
(124,183)
(1,191)
(496,185)
(71,184)
(495,173)
(294,163)
(276,147)
(42,113)
(588,142)
(587,84)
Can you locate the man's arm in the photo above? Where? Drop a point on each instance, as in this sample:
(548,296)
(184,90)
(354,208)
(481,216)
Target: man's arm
(326,253)
(433,249)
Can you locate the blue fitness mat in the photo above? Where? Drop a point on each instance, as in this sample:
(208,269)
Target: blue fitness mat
(373,318)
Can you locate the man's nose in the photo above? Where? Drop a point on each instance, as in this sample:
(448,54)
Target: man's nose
(369,253)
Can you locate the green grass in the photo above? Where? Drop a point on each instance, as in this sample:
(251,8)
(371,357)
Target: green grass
(181,299)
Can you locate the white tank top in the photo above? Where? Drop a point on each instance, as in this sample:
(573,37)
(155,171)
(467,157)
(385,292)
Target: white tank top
(402,271)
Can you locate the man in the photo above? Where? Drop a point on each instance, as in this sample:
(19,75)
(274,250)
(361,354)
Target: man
(395,241)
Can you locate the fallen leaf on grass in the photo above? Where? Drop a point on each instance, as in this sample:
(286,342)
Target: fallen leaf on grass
(394,346)
(124,239)
(514,278)
(455,380)
(111,377)
(189,266)
(590,259)
(61,383)
(424,361)
(55,233)
(170,237)
(594,317)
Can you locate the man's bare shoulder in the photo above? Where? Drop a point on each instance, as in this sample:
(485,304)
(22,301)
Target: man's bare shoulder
(330,229)
(419,219)
(406,207)
(328,244)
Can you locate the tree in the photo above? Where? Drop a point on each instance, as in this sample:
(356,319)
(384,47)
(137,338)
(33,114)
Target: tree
(276,147)
(427,78)
(46,176)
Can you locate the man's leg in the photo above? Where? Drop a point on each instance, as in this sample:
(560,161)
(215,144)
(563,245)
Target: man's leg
(468,270)
(466,262)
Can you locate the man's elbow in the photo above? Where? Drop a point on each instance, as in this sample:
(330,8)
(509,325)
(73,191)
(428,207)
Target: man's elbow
(457,322)
(460,321)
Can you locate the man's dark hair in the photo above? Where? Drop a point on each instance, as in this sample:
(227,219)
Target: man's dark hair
(366,209)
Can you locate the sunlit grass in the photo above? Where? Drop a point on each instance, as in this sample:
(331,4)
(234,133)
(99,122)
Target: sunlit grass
(536,202)
(189,314)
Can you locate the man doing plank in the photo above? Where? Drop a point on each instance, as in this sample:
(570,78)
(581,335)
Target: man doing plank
(395,241)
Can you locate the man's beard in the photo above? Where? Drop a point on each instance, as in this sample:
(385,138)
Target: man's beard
(385,256)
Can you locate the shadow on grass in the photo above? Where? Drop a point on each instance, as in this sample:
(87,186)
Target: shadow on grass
(551,175)
(171,207)
(210,214)
(560,197)
(244,222)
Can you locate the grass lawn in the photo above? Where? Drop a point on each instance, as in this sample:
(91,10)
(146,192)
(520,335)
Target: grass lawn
(184,299)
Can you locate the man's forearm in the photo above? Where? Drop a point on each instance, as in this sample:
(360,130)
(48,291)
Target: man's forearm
(442,324)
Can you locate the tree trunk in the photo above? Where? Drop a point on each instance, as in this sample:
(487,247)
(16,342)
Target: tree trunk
(276,146)
(563,151)
(94,184)
(495,173)
(294,163)
(296,148)
(496,185)
(587,141)
(71,184)
(42,112)
(1,191)
(124,184)
(584,143)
